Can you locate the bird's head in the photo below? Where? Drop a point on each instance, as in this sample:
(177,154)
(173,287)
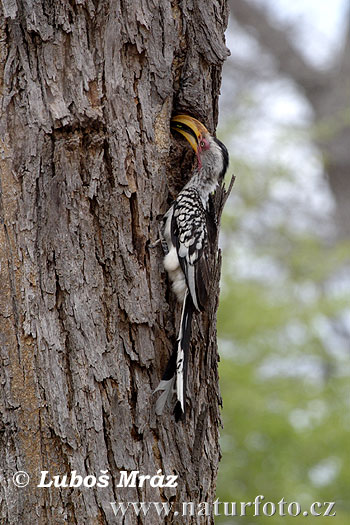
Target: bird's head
(211,153)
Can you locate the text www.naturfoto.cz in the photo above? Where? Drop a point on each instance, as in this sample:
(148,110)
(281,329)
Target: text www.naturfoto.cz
(218,508)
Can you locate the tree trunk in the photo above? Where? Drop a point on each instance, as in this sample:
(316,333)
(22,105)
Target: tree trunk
(87,318)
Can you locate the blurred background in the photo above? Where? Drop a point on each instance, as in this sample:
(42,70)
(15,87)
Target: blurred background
(284,317)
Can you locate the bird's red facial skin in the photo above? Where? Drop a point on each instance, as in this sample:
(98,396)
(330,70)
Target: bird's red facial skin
(199,159)
(203,145)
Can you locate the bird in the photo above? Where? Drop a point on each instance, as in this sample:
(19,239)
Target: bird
(189,234)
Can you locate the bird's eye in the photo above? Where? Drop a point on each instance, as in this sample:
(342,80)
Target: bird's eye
(202,144)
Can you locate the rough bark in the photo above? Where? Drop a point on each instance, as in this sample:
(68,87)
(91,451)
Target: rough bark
(327,90)
(87,318)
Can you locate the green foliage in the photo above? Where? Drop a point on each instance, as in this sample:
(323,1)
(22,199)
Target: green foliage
(285,365)
(278,434)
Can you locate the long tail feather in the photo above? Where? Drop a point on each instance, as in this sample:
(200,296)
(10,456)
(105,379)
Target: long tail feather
(176,370)
(183,344)
(167,384)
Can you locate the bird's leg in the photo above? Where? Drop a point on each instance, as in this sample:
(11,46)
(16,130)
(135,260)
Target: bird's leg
(160,240)
(155,244)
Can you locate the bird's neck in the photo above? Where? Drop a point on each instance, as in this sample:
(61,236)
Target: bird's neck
(204,181)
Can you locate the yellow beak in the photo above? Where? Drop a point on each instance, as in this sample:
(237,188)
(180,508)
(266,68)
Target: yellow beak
(190,128)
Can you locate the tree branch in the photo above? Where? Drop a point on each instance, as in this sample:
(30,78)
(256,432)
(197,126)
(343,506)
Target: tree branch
(275,39)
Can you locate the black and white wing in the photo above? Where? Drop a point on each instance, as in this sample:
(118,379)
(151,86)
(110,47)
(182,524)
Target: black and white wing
(189,235)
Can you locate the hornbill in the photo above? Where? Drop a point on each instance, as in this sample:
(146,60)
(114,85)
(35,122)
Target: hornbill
(187,232)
